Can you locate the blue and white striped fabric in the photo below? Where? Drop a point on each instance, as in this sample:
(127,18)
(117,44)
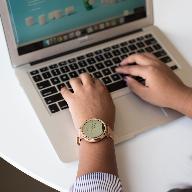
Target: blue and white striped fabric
(97,182)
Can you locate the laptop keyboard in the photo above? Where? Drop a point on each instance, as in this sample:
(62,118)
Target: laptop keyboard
(100,64)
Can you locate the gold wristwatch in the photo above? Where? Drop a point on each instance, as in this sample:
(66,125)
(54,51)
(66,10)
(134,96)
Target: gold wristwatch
(94,130)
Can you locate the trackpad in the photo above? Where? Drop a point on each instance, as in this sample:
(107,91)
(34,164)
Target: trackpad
(134,116)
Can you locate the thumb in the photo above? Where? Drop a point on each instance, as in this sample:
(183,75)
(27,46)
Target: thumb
(136,87)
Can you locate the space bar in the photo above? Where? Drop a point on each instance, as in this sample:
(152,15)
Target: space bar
(116,86)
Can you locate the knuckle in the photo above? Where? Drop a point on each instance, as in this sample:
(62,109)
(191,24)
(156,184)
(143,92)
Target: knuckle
(72,80)
(84,74)
(152,68)
(140,56)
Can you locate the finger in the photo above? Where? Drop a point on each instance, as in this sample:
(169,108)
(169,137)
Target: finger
(140,59)
(66,93)
(135,70)
(150,56)
(136,87)
(100,83)
(86,79)
(76,84)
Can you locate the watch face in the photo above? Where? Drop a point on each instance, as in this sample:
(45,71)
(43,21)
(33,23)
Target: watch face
(93,129)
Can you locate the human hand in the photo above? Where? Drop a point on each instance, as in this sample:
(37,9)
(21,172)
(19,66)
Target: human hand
(89,100)
(162,87)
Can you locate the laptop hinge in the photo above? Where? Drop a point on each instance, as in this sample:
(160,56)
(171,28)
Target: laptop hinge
(81,48)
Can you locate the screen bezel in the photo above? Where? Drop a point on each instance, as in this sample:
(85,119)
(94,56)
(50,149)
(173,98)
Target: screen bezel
(18,60)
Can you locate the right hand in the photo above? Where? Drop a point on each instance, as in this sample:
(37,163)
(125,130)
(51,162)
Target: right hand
(162,87)
(90,99)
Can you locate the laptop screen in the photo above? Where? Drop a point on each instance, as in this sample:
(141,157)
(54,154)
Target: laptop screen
(38,24)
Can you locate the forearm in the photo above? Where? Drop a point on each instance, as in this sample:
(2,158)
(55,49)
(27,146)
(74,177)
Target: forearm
(97,157)
(183,103)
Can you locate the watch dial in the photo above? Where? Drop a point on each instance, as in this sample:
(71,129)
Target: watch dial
(93,129)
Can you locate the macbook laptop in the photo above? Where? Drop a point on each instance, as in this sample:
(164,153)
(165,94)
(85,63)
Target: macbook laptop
(52,41)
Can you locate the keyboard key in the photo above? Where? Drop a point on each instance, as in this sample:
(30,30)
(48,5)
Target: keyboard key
(141,51)
(123,44)
(91,61)
(53,108)
(46,75)
(100,66)
(116,86)
(34,72)
(140,39)
(65,69)
(148,36)
(97,75)
(44,69)
(91,69)
(83,70)
(149,49)
(108,63)
(115,46)
(55,72)
(53,98)
(99,58)
(132,47)
(89,55)
(106,80)
(107,49)
(116,60)
(157,47)
(63,63)
(98,52)
(115,77)
(108,55)
(53,66)
(113,69)
(166,59)
(63,105)
(161,53)
(116,53)
(106,72)
(132,41)
(73,66)
(48,91)
(55,80)
(124,50)
(150,41)
(174,67)
(123,57)
(43,84)
(132,53)
(140,45)
(81,57)
(82,63)
(71,60)
(73,74)
(64,77)
(37,78)
(60,86)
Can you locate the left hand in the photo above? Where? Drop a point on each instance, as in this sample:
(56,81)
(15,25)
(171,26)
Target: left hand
(89,100)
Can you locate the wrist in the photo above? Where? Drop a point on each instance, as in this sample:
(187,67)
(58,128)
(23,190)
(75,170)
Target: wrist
(183,101)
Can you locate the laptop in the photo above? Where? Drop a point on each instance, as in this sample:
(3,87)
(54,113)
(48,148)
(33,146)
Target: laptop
(50,42)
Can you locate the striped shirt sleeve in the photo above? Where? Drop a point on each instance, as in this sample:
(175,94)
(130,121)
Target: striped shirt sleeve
(97,182)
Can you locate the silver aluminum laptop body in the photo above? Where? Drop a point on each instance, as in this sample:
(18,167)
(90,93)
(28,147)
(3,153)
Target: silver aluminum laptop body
(133,116)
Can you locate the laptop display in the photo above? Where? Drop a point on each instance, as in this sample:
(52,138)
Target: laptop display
(39,24)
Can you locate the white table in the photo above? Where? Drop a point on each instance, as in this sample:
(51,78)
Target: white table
(155,161)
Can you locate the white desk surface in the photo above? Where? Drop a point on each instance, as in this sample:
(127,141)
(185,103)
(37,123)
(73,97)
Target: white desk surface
(155,161)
